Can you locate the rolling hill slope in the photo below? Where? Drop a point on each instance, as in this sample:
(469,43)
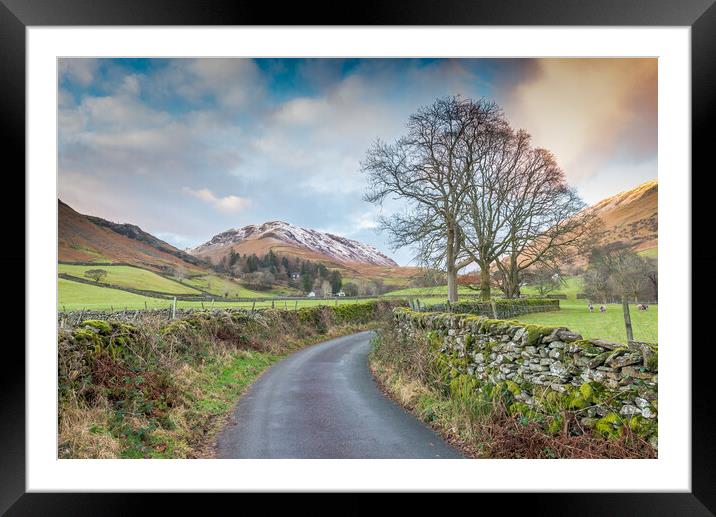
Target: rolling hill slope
(631,217)
(83,238)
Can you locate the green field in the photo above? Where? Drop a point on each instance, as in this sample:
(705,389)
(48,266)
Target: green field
(130,277)
(574,315)
(74,296)
(77,296)
(572,286)
(218,285)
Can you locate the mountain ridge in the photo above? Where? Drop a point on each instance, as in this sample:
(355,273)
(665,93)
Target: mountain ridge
(281,237)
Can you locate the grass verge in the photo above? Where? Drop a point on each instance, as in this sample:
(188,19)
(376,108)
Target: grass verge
(155,389)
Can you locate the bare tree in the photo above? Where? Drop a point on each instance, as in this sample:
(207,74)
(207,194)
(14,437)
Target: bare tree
(652,275)
(547,222)
(596,285)
(428,278)
(625,270)
(429,169)
(487,211)
(180,273)
(636,276)
(544,278)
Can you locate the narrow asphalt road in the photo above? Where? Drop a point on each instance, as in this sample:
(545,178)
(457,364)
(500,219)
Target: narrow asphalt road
(322,402)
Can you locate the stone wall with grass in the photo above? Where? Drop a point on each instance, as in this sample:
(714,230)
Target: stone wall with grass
(542,371)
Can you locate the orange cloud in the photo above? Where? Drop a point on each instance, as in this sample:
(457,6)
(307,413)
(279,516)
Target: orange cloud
(588,110)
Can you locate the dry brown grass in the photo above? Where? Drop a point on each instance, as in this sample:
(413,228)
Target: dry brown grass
(84,432)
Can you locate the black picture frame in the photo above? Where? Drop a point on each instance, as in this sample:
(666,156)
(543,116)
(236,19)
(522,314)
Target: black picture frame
(700,15)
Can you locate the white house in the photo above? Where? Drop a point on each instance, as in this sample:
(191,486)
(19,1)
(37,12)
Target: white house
(311,295)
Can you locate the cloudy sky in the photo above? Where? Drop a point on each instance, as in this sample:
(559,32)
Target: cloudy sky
(188,148)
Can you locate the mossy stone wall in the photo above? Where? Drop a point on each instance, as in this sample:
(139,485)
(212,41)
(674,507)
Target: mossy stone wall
(543,369)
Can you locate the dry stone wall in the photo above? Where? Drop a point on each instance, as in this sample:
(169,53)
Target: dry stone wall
(544,369)
(502,308)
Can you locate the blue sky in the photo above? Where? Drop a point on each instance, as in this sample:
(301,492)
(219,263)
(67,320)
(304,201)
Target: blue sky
(187,148)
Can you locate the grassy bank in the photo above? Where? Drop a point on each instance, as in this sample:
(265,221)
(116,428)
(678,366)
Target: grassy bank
(483,426)
(158,389)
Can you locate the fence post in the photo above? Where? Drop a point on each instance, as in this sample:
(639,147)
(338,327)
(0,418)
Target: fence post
(202,305)
(449,307)
(174,308)
(145,305)
(295,307)
(494,309)
(272,305)
(253,306)
(417,302)
(212,304)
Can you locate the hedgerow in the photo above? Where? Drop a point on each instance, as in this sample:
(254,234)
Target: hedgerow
(149,388)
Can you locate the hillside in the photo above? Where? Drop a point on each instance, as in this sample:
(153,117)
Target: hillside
(631,217)
(83,238)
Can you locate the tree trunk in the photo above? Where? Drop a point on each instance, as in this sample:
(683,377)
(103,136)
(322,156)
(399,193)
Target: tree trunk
(451,270)
(512,284)
(452,284)
(627,318)
(485,281)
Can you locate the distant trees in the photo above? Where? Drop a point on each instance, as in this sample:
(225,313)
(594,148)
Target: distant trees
(259,280)
(544,279)
(96,274)
(616,271)
(263,272)
(326,289)
(478,192)
(180,274)
(336,281)
(350,289)
(429,277)
(652,275)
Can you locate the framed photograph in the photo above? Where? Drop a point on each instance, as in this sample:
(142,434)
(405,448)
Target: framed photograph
(416,253)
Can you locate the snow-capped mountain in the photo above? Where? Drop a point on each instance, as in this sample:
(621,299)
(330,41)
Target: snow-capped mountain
(287,238)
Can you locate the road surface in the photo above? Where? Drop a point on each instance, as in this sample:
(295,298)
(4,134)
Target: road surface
(322,402)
